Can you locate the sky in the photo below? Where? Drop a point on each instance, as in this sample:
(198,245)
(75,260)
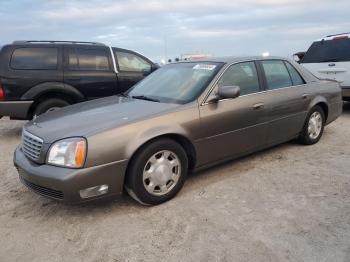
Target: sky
(162,29)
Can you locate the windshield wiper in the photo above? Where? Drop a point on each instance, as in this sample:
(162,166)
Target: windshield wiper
(146,98)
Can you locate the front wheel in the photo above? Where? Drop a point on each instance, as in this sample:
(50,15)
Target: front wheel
(313,127)
(157,172)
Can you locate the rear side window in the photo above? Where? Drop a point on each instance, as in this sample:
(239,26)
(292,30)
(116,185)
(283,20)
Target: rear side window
(131,62)
(294,74)
(337,50)
(276,73)
(34,58)
(243,75)
(88,59)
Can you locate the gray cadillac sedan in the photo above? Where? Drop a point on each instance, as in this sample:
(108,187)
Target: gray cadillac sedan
(183,117)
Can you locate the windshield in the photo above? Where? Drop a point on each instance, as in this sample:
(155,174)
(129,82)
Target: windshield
(337,50)
(176,83)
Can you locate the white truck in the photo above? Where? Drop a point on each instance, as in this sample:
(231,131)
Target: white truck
(329,58)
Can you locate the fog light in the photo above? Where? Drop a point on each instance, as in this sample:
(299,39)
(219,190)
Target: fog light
(94,191)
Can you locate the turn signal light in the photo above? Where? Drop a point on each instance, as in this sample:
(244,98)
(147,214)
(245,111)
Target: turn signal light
(80,153)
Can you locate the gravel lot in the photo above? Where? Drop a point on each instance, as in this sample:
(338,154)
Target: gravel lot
(288,203)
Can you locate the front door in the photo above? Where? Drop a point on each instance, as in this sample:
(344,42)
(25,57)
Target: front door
(132,68)
(232,127)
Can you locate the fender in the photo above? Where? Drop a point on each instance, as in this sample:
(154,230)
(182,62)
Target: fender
(56,87)
(317,99)
(147,135)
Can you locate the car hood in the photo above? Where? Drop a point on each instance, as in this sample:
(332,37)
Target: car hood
(94,116)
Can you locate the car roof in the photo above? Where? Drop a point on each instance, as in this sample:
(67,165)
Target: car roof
(235,59)
(335,37)
(47,42)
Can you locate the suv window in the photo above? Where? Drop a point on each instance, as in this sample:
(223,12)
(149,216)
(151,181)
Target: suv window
(131,62)
(294,74)
(243,75)
(276,73)
(337,50)
(34,58)
(88,59)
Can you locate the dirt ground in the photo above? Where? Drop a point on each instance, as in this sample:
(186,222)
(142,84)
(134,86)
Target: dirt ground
(288,203)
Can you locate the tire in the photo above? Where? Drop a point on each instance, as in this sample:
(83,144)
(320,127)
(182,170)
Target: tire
(308,137)
(163,180)
(49,104)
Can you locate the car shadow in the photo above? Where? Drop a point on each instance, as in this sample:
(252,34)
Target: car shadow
(239,165)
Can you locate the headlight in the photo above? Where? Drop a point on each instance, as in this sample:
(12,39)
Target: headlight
(69,152)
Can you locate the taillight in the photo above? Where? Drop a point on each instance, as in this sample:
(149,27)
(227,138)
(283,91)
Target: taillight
(2,94)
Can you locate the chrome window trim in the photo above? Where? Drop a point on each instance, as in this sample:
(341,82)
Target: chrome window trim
(113,60)
(214,84)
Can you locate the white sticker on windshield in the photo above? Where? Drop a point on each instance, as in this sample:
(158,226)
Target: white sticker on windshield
(204,67)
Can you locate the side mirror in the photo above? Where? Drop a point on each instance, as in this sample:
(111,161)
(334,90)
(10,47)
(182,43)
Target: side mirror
(155,67)
(226,92)
(298,56)
(146,72)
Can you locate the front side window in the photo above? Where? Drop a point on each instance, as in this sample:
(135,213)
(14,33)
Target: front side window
(294,74)
(131,62)
(177,83)
(276,73)
(88,59)
(34,58)
(243,75)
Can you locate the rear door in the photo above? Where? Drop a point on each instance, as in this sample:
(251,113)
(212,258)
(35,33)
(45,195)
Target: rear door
(287,100)
(90,70)
(131,67)
(330,59)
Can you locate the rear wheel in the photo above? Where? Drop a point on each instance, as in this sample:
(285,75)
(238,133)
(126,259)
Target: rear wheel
(50,104)
(157,172)
(313,127)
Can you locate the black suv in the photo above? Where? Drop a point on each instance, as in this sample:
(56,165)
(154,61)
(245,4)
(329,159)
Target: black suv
(39,76)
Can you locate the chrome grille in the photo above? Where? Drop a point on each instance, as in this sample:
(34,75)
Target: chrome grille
(31,145)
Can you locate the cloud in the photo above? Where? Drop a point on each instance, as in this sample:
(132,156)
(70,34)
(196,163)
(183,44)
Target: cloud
(159,28)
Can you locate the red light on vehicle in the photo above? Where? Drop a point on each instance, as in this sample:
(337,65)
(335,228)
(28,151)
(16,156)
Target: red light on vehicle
(2,95)
(340,37)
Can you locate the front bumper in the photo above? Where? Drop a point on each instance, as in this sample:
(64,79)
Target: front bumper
(15,109)
(64,184)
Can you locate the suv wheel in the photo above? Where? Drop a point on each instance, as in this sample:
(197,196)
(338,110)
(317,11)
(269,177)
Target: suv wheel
(313,127)
(157,172)
(50,105)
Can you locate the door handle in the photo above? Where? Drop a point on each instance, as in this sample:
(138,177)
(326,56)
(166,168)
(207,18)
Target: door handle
(304,96)
(331,64)
(258,106)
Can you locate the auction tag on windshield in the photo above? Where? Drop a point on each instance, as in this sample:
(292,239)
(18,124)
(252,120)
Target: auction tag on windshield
(204,67)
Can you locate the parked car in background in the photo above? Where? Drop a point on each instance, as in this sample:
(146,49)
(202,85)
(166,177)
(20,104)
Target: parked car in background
(329,58)
(185,116)
(39,76)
